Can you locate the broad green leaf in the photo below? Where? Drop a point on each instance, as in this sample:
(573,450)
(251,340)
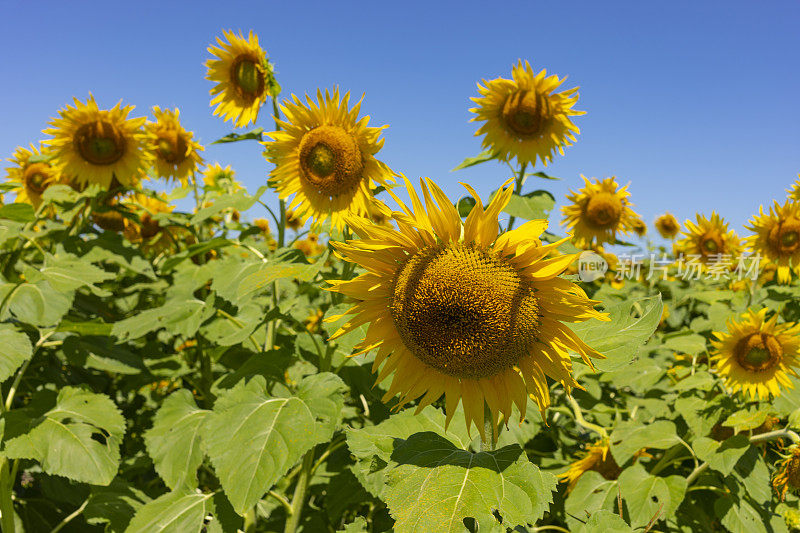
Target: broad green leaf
(592,493)
(738,516)
(691,344)
(621,339)
(372,446)
(114,505)
(432,485)
(239,200)
(699,381)
(604,521)
(531,206)
(225,331)
(18,212)
(173,442)
(37,304)
(359,525)
(646,496)
(253,438)
(194,250)
(252,135)
(630,437)
(260,280)
(721,456)
(174,512)
(16,350)
(752,474)
(747,418)
(229,274)
(79,438)
(486,155)
(85,328)
(67,272)
(182,317)
(101,353)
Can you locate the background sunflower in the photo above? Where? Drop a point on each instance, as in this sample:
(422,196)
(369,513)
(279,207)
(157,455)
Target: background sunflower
(598,212)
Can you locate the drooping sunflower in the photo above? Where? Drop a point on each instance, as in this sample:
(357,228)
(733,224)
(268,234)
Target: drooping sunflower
(293,222)
(524,118)
(32,174)
(243,76)
(455,309)
(177,155)
(324,155)
(794,192)
(709,241)
(598,212)
(667,225)
(153,235)
(596,458)
(639,227)
(757,355)
(92,145)
(788,473)
(220,180)
(777,238)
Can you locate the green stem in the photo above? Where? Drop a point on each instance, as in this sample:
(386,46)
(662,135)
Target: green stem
(489,436)
(69,518)
(250,520)
(15,385)
(582,421)
(6,501)
(777,434)
(517,189)
(299,498)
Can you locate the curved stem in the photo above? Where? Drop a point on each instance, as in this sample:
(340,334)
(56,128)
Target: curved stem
(517,189)
(69,518)
(299,498)
(696,473)
(15,385)
(582,421)
(777,434)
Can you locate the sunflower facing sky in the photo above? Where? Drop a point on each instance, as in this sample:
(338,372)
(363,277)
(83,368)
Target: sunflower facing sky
(92,145)
(324,155)
(757,355)
(777,238)
(456,310)
(524,118)
(32,174)
(667,225)
(708,241)
(598,212)
(176,154)
(596,458)
(243,76)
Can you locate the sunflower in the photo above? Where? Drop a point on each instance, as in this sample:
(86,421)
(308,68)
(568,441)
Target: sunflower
(598,212)
(325,156)
(310,246)
(243,76)
(794,192)
(152,234)
(220,179)
(595,458)
(757,355)
(176,154)
(708,241)
(788,474)
(91,145)
(293,222)
(777,238)
(454,309)
(524,118)
(32,174)
(639,227)
(667,225)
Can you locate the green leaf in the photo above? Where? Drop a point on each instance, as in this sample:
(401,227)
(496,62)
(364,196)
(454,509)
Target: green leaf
(85,328)
(16,350)
(738,516)
(79,438)
(433,486)
(592,493)
(173,442)
(531,206)
(752,473)
(464,205)
(114,505)
(18,212)
(721,456)
(630,437)
(542,175)
(262,278)
(747,418)
(621,339)
(181,317)
(486,155)
(239,200)
(689,343)
(37,304)
(67,272)
(174,512)
(253,438)
(252,135)
(101,353)
(605,521)
(359,525)
(646,496)
(194,250)
(224,331)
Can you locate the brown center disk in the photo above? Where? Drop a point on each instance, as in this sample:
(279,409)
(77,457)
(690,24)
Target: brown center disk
(100,142)
(712,244)
(172,147)
(464,311)
(784,237)
(149,227)
(247,77)
(608,467)
(35,177)
(603,210)
(758,352)
(330,160)
(527,114)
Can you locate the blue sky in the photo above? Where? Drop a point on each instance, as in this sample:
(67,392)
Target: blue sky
(696,104)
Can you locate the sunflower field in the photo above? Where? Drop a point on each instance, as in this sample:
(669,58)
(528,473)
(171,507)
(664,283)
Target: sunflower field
(375,356)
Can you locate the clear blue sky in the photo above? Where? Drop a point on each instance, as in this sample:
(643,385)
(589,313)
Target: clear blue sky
(697,104)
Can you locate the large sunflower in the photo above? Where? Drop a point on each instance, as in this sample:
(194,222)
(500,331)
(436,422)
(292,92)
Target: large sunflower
(243,77)
(757,355)
(92,145)
(454,309)
(709,241)
(667,225)
(32,173)
(324,155)
(524,118)
(176,154)
(596,458)
(777,238)
(598,212)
